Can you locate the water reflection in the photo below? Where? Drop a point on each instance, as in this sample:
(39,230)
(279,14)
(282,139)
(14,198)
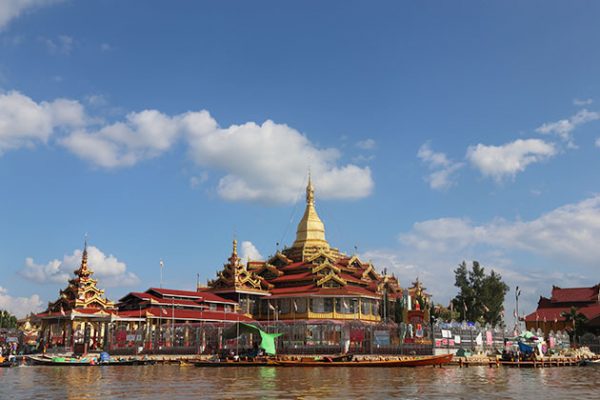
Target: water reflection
(171,382)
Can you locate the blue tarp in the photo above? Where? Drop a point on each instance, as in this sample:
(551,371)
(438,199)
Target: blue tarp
(525,349)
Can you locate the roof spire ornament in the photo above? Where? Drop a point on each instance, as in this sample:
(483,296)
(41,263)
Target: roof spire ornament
(310,191)
(83,270)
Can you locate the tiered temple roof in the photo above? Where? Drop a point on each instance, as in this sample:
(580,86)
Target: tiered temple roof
(311,267)
(236,278)
(82,296)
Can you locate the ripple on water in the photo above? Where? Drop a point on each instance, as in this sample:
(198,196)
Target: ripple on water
(172,382)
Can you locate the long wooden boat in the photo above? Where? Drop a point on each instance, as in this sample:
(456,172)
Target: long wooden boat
(345,361)
(409,362)
(7,364)
(84,362)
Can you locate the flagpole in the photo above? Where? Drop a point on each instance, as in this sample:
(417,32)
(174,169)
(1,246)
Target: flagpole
(162,265)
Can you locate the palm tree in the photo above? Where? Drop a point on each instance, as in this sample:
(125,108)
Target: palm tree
(576,319)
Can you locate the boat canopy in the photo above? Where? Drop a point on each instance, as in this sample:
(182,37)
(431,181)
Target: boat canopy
(267,342)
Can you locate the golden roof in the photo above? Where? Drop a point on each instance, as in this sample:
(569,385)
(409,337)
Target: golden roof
(310,234)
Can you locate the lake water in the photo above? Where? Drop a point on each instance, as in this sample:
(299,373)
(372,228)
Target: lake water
(173,382)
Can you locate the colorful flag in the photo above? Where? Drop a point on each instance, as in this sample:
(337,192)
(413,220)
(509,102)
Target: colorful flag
(62,311)
(271,306)
(164,311)
(295,306)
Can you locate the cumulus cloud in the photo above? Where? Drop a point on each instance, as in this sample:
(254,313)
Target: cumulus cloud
(108,269)
(443,170)
(367,144)
(567,233)
(564,128)
(532,253)
(11,9)
(250,154)
(19,306)
(261,162)
(507,160)
(249,252)
(24,122)
(141,136)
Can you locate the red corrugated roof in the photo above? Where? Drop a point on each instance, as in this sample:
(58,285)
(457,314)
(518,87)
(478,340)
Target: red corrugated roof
(575,295)
(591,312)
(549,313)
(293,277)
(214,298)
(175,292)
(196,315)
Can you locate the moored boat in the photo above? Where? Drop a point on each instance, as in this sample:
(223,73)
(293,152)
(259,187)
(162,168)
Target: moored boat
(406,362)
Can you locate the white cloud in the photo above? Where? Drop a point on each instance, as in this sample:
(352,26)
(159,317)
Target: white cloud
(582,102)
(565,127)
(63,44)
(568,233)
(11,9)
(261,162)
(443,169)
(23,122)
(558,247)
(108,269)
(19,306)
(367,144)
(143,135)
(249,252)
(499,162)
(268,162)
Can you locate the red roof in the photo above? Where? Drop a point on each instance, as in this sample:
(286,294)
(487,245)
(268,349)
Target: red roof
(214,298)
(293,277)
(591,312)
(549,313)
(175,292)
(575,295)
(196,315)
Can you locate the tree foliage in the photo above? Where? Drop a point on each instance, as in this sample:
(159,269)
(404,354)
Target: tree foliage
(7,320)
(576,321)
(480,297)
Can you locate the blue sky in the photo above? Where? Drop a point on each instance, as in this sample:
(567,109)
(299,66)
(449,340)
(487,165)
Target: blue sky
(436,132)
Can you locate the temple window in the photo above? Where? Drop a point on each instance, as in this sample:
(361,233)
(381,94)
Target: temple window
(213,307)
(375,308)
(300,305)
(317,305)
(345,305)
(284,305)
(328,304)
(365,306)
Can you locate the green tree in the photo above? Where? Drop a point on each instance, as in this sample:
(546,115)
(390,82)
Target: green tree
(492,298)
(576,320)
(7,320)
(480,296)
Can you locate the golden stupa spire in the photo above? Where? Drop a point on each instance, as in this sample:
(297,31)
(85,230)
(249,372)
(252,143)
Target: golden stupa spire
(83,270)
(311,230)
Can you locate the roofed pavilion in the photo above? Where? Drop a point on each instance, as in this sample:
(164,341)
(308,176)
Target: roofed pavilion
(78,318)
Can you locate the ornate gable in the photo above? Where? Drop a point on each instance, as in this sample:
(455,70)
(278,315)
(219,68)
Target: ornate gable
(236,276)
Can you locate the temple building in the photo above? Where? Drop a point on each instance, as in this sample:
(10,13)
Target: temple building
(549,315)
(311,280)
(79,318)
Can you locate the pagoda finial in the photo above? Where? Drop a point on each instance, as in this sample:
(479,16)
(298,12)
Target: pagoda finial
(234,252)
(83,270)
(310,191)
